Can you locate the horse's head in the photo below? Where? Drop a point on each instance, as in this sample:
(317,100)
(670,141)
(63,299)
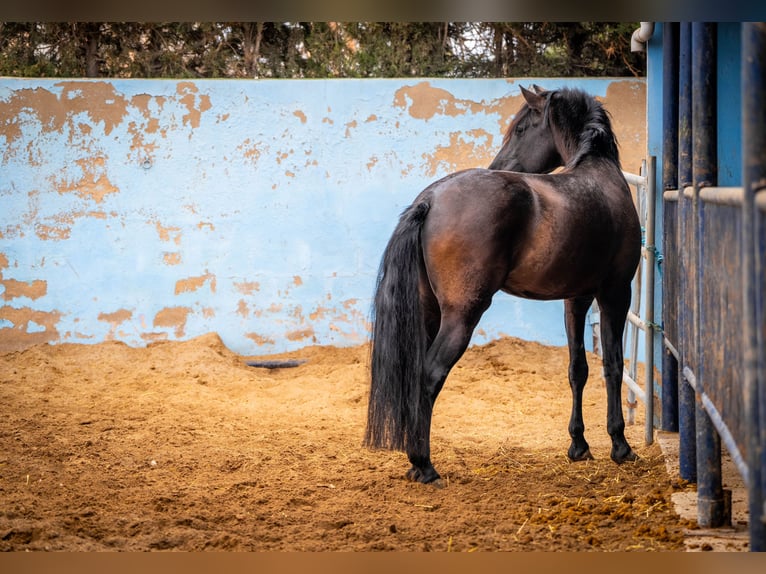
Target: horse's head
(529,145)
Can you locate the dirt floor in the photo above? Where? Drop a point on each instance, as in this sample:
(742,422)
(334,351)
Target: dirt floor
(182,446)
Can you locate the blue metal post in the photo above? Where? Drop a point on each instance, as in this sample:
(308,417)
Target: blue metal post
(754,184)
(669,419)
(687,449)
(711,504)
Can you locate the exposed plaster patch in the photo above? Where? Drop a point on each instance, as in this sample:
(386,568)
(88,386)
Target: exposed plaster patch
(426,101)
(115,319)
(193,283)
(165,233)
(302,335)
(242,309)
(30,327)
(300,115)
(99,100)
(250,150)
(247,287)
(173,317)
(626,102)
(422,101)
(34,290)
(259,339)
(51,233)
(92,185)
(188,92)
(173,258)
(461,152)
(320,313)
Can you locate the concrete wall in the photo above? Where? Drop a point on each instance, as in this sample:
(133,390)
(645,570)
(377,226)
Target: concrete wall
(149,210)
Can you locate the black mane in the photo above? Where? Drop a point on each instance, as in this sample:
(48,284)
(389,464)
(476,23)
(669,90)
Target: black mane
(584,125)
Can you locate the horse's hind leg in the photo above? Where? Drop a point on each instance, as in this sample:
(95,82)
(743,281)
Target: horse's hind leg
(575,311)
(448,346)
(614,304)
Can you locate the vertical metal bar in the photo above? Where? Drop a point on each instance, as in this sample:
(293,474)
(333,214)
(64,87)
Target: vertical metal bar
(631,333)
(711,505)
(670,31)
(687,448)
(754,183)
(651,174)
(670,105)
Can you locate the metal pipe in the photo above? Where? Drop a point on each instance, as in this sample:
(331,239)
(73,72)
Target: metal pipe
(636,302)
(754,188)
(669,346)
(637,321)
(669,105)
(649,305)
(711,503)
(670,195)
(641,36)
(634,386)
(634,179)
(723,195)
(670,30)
(715,417)
(687,447)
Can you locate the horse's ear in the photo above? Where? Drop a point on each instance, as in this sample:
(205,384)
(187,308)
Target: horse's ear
(534,101)
(538,89)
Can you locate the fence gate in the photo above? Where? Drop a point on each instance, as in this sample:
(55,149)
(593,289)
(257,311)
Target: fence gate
(714,281)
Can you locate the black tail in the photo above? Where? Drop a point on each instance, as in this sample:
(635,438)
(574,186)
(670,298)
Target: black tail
(397,395)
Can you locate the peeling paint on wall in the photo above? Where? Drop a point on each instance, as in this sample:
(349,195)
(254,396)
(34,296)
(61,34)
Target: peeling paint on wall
(152,210)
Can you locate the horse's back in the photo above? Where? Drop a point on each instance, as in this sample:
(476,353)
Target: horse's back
(536,236)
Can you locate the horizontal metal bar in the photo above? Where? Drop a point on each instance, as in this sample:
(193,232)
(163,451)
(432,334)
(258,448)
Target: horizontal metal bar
(670,195)
(723,431)
(690,378)
(633,386)
(637,321)
(671,348)
(633,179)
(723,195)
(726,438)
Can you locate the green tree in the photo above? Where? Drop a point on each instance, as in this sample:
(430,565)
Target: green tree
(317,49)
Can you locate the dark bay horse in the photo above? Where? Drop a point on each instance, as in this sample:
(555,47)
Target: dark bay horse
(572,235)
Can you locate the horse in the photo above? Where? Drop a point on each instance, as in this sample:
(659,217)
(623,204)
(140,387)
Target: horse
(519,227)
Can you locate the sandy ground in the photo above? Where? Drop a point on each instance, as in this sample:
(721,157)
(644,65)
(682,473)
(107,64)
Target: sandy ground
(182,446)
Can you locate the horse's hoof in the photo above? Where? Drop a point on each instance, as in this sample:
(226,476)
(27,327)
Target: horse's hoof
(629,456)
(579,457)
(432,477)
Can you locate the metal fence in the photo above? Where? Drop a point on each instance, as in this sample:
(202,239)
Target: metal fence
(714,244)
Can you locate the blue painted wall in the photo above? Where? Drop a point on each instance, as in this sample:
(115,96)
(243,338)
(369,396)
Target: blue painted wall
(148,210)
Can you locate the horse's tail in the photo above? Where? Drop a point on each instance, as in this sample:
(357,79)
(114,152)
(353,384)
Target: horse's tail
(397,395)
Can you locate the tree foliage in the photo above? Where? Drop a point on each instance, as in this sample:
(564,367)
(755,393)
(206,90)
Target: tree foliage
(317,49)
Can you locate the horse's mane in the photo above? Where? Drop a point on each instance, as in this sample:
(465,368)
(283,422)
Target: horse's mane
(583,124)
